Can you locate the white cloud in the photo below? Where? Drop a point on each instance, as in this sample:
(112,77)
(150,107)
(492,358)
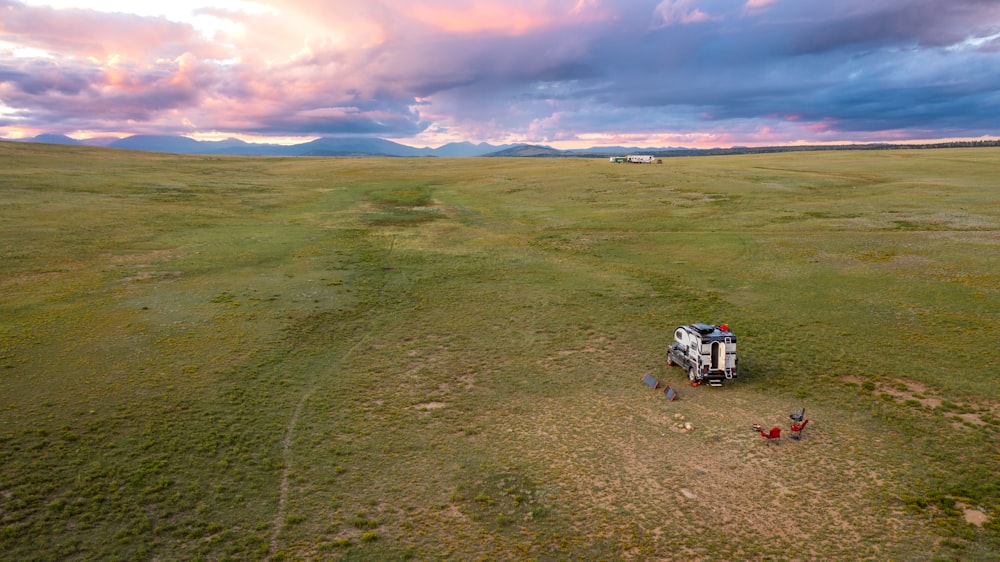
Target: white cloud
(684,12)
(183,11)
(22,52)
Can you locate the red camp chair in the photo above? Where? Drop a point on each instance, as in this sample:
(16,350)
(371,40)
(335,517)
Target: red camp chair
(797,428)
(773,436)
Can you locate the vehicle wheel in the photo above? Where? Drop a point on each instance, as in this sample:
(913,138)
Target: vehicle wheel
(692,374)
(670,361)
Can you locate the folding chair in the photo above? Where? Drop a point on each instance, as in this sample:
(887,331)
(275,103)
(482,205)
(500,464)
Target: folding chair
(773,436)
(797,428)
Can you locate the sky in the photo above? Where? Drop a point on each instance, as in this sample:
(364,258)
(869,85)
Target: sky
(565,73)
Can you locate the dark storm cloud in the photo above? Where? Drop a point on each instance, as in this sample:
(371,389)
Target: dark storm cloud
(537,70)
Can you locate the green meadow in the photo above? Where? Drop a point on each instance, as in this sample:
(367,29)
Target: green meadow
(227,358)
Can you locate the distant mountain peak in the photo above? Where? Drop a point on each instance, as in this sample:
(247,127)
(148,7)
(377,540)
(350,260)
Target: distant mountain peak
(527,150)
(52,138)
(325,146)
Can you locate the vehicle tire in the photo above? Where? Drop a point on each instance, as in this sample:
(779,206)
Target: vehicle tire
(692,374)
(670,361)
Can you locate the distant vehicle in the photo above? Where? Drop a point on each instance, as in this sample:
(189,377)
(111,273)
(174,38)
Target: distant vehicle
(707,352)
(633,159)
(640,159)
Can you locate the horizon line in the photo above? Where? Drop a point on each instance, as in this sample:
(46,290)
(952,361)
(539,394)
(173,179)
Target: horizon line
(637,146)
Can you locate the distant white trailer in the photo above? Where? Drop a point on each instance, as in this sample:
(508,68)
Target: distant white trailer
(640,159)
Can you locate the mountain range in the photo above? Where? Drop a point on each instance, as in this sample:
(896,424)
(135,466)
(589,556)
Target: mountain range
(329,146)
(365,146)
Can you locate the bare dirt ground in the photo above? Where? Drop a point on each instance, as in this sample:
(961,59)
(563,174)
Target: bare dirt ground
(691,478)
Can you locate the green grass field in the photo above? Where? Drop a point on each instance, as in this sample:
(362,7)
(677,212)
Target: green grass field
(384,359)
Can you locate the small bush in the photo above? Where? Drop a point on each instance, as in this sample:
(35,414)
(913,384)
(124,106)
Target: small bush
(359,521)
(539,512)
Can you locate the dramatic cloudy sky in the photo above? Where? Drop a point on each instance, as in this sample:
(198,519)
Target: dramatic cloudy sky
(562,72)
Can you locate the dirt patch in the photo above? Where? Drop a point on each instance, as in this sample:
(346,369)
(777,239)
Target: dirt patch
(468,379)
(972,418)
(427,406)
(975,517)
(915,392)
(902,390)
(625,452)
(911,390)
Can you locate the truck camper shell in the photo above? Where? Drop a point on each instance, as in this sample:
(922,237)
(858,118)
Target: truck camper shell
(706,351)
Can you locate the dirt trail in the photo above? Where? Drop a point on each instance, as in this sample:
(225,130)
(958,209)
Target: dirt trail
(286,444)
(286,457)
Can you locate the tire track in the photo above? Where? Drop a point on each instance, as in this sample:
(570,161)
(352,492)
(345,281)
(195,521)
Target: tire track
(286,443)
(286,454)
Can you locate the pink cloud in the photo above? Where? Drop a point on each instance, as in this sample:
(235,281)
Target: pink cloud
(759,4)
(819,127)
(492,70)
(511,17)
(683,12)
(88,33)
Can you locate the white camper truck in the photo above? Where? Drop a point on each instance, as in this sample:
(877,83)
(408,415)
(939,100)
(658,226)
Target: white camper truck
(707,352)
(640,159)
(634,159)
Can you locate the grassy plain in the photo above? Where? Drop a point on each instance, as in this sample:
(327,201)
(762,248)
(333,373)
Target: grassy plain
(264,358)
